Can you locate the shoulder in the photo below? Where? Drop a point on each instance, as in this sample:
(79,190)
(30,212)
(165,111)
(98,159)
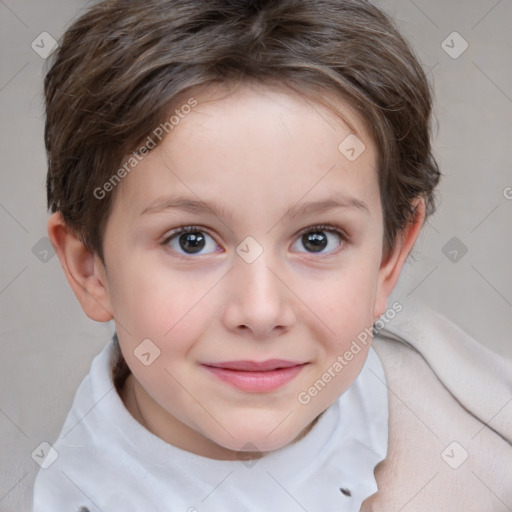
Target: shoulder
(450,418)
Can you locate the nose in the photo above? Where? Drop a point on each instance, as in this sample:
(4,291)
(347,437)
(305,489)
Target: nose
(260,302)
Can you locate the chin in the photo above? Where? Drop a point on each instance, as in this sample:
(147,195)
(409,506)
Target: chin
(259,436)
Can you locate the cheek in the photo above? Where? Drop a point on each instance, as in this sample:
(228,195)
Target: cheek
(348,300)
(152,301)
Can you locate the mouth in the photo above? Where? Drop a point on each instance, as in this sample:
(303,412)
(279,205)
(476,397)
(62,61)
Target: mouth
(254,376)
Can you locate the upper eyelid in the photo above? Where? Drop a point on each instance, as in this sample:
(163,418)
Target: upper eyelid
(192,227)
(324,227)
(185,229)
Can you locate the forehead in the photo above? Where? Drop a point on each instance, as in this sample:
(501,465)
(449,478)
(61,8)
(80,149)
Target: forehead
(257,145)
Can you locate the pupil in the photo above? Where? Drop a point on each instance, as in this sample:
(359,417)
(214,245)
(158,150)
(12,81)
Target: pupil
(192,242)
(315,241)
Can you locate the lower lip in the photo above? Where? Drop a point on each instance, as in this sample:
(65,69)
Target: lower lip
(256,382)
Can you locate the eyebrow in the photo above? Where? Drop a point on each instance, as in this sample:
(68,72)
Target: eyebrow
(308,208)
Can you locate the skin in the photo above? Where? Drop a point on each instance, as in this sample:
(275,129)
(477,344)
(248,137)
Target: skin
(256,151)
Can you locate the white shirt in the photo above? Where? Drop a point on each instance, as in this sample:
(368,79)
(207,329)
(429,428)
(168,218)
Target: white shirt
(109,462)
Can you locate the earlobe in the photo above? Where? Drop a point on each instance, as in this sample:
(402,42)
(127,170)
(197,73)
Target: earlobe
(83,270)
(391,266)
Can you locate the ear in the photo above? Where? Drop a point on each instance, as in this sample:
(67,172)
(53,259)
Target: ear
(84,270)
(391,266)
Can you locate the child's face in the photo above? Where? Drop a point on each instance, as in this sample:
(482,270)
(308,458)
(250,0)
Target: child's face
(254,154)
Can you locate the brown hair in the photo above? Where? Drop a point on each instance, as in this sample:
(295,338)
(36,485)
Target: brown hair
(121,66)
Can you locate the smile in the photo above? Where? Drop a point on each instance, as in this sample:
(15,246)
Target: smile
(256,377)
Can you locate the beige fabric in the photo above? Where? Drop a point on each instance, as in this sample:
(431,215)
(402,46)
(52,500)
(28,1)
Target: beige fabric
(443,389)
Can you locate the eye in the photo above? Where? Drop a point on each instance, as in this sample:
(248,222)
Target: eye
(318,238)
(191,240)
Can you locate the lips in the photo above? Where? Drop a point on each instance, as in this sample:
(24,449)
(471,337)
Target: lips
(254,366)
(256,376)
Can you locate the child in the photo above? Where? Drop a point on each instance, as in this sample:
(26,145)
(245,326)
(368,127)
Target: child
(243,375)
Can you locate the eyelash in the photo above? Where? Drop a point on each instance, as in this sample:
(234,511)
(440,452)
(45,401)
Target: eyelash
(344,238)
(318,227)
(185,229)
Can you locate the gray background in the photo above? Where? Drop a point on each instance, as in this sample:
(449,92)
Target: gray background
(48,342)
